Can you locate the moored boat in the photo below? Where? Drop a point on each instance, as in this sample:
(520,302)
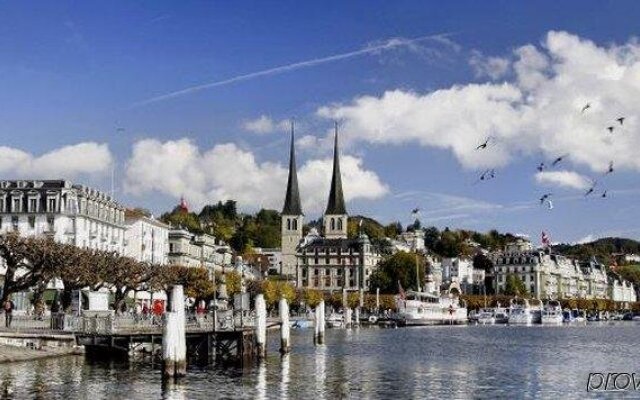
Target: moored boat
(552,313)
(486,316)
(522,313)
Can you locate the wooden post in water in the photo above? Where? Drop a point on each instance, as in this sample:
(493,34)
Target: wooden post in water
(347,317)
(378,300)
(174,340)
(319,323)
(261,326)
(356,318)
(285,345)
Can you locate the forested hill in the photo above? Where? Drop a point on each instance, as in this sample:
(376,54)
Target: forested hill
(602,249)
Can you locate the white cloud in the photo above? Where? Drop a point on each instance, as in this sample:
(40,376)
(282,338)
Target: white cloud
(493,67)
(264,124)
(570,179)
(179,167)
(87,158)
(587,239)
(536,111)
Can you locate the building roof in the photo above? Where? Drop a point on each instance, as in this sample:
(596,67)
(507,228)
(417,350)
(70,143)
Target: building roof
(292,199)
(335,205)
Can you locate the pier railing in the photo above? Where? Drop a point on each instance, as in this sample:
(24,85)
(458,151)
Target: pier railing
(111,324)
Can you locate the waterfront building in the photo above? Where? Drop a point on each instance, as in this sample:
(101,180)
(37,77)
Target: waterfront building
(198,250)
(328,261)
(621,290)
(68,213)
(552,276)
(411,241)
(146,238)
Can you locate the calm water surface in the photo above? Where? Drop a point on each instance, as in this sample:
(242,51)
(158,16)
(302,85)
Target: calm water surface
(431,362)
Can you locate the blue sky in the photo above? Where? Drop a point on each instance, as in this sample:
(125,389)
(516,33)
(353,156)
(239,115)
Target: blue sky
(80,73)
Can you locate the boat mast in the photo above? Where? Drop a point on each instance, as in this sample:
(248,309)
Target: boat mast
(417,272)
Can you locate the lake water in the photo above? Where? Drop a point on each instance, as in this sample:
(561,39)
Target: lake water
(412,363)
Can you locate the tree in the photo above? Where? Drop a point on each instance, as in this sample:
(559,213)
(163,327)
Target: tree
(400,267)
(514,286)
(312,297)
(393,229)
(29,262)
(178,217)
(275,290)
(233,282)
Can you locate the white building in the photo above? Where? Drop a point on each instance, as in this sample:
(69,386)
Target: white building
(550,275)
(457,269)
(146,239)
(68,213)
(413,240)
(198,250)
(621,290)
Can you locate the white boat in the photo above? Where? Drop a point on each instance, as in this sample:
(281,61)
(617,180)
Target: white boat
(521,313)
(501,314)
(552,313)
(486,316)
(427,308)
(334,320)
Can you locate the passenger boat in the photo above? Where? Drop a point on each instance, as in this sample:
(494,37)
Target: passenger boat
(424,308)
(522,313)
(552,313)
(486,316)
(429,307)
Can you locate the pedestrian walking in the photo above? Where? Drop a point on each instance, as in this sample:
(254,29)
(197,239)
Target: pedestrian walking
(8,307)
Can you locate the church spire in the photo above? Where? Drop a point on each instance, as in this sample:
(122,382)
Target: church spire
(335,206)
(292,199)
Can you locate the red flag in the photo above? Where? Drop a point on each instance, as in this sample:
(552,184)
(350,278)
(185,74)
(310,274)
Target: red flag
(546,242)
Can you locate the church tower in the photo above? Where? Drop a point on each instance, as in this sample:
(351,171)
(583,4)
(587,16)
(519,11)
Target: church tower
(335,217)
(292,217)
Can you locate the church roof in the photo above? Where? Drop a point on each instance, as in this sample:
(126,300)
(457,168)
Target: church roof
(292,199)
(335,205)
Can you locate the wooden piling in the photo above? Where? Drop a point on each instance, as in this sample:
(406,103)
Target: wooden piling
(285,344)
(319,323)
(174,340)
(347,317)
(261,326)
(356,321)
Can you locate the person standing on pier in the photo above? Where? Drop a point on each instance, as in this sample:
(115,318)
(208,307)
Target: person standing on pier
(8,312)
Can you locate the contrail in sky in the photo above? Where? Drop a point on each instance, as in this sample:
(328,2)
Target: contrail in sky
(387,45)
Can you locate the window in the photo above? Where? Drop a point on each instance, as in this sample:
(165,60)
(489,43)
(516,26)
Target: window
(32,221)
(288,224)
(339,223)
(295,224)
(14,222)
(333,224)
(3,204)
(16,204)
(50,223)
(315,271)
(33,204)
(51,204)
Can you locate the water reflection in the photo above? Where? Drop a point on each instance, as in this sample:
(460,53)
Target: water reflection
(469,362)
(285,364)
(261,386)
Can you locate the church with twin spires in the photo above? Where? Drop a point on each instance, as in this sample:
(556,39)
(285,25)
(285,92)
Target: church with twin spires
(327,260)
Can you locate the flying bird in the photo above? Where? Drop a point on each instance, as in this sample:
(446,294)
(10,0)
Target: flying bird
(484,144)
(586,107)
(610,169)
(415,211)
(591,189)
(621,120)
(557,160)
(604,194)
(610,129)
(540,167)
(544,198)
(486,175)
